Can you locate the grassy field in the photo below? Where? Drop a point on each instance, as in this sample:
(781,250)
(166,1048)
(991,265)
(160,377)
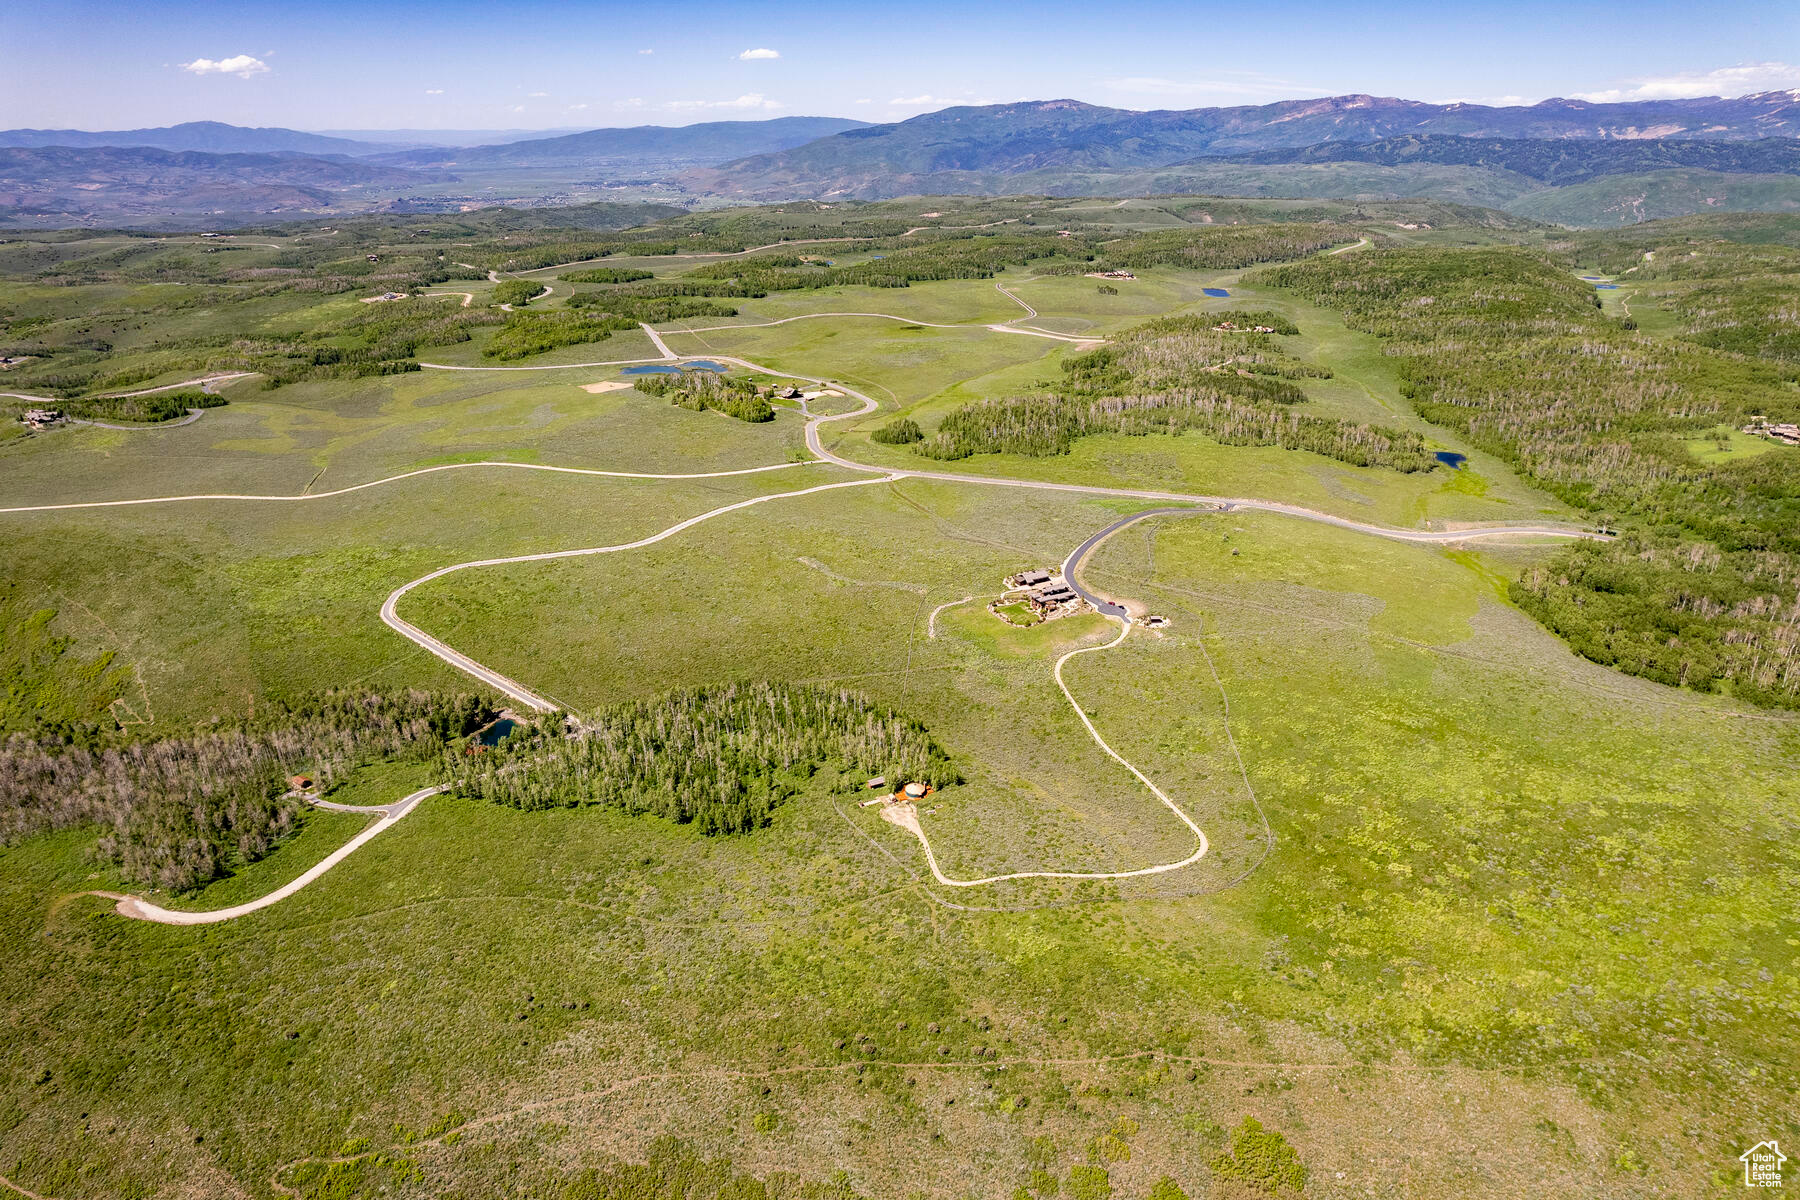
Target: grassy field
(1486,983)
(1478,917)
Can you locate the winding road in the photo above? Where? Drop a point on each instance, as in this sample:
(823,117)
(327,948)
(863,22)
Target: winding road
(518,691)
(205,383)
(903,815)
(1071,567)
(390,814)
(1000,328)
(374,483)
(906,815)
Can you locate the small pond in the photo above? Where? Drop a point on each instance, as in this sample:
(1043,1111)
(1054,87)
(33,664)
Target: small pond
(700,364)
(1221,292)
(1452,459)
(1606,287)
(494,734)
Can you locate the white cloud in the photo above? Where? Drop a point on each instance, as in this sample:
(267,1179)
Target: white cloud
(539,95)
(865,100)
(518,108)
(434,91)
(749,100)
(925,101)
(759,52)
(576,107)
(241,65)
(1740,80)
(646,52)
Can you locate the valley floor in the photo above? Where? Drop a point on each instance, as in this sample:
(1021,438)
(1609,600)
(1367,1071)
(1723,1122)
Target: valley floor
(1468,916)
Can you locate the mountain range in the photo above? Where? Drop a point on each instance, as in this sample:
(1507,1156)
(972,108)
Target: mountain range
(1567,161)
(709,142)
(74,185)
(706,143)
(1074,137)
(212,137)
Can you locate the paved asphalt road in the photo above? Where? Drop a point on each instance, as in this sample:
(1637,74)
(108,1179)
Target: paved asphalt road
(1072,564)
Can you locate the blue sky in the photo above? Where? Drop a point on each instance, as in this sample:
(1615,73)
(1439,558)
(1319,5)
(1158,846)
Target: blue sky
(333,64)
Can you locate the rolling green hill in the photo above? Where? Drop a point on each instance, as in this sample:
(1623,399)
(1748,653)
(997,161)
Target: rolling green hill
(64,185)
(1556,161)
(1628,199)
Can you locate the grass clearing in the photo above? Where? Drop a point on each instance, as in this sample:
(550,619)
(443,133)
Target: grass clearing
(1464,888)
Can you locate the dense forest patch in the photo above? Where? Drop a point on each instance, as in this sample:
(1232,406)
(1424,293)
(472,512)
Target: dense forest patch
(1174,375)
(179,811)
(1511,350)
(721,759)
(703,390)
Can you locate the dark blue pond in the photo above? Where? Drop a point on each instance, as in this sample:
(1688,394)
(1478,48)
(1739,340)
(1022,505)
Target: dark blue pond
(493,734)
(663,369)
(1451,458)
(1215,291)
(1607,287)
(877,256)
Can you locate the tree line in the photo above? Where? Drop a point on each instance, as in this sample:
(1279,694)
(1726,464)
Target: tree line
(1172,375)
(1508,347)
(590,317)
(1044,425)
(1216,247)
(703,390)
(719,758)
(958,258)
(178,811)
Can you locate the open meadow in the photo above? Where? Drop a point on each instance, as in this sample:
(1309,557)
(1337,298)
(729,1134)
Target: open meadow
(1472,914)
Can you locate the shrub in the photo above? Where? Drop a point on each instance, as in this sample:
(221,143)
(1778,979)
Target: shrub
(516,292)
(606,275)
(902,431)
(1089,1183)
(1261,1158)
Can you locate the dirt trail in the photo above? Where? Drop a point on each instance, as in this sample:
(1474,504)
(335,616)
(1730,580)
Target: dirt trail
(902,815)
(373,483)
(143,910)
(517,691)
(907,816)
